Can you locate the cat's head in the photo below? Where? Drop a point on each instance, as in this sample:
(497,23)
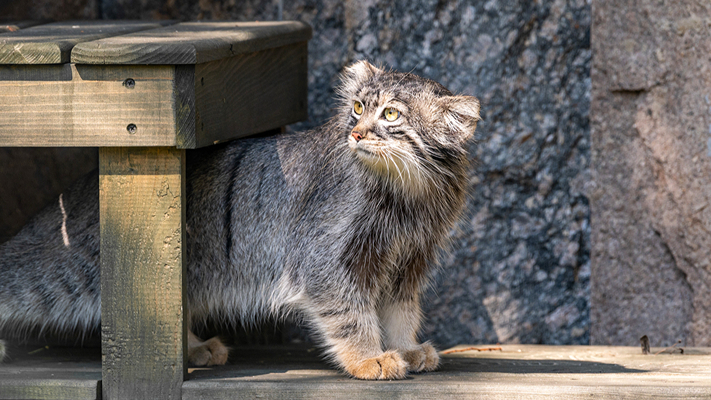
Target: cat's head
(407,128)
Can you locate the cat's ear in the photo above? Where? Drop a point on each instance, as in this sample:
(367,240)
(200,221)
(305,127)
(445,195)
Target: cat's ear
(461,113)
(362,70)
(353,78)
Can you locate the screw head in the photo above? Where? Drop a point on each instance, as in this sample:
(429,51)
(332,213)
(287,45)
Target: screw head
(129,83)
(132,128)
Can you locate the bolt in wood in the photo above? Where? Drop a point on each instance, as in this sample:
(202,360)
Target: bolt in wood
(129,83)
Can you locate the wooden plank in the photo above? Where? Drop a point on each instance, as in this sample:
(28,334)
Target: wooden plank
(142,194)
(191,43)
(39,372)
(86,105)
(517,372)
(14,26)
(250,93)
(184,92)
(480,387)
(52,389)
(53,43)
(184,106)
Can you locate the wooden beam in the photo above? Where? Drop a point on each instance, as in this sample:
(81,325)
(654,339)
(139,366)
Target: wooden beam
(184,103)
(191,43)
(251,93)
(183,106)
(53,43)
(143,331)
(87,105)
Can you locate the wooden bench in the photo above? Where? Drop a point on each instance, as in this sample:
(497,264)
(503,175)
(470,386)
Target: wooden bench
(143,92)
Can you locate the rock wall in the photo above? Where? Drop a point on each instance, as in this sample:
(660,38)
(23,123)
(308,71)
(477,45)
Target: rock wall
(651,130)
(519,269)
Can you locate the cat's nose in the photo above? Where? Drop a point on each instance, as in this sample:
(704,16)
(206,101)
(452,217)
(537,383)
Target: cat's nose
(357,136)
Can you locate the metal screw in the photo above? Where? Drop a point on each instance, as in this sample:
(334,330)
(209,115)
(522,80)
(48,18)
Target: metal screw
(132,128)
(129,83)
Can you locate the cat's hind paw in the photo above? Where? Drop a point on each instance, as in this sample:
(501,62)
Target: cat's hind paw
(388,365)
(209,352)
(422,358)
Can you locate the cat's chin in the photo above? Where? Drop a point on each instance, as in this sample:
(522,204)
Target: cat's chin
(389,168)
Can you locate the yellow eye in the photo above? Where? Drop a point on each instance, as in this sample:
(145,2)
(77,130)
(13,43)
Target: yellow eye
(358,107)
(391,114)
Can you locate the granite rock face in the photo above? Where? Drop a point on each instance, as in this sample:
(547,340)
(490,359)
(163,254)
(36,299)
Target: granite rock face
(519,267)
(651,124)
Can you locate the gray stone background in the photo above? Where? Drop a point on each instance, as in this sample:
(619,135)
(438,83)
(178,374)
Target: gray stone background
(520,268)
(651,129)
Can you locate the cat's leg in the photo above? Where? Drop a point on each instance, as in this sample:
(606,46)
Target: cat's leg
(401,322)
(206,352)
(353,337)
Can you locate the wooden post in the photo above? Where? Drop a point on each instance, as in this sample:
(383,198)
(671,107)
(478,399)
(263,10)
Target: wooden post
(143,330)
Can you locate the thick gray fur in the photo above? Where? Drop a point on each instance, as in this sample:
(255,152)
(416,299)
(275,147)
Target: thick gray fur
(337,230)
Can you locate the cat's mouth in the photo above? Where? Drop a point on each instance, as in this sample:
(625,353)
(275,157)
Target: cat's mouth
(366,151)
(363,149)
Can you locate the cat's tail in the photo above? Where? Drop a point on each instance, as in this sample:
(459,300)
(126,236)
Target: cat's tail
(49,272)
(2,350)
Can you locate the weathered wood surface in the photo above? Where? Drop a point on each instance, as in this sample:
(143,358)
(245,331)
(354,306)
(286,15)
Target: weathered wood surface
(250,93)
(534,372)
(53,43)
(142,195)
(14,26)
(86,105)
(191,43)
(36,372)
(518,372)
(249,78)
(184,106)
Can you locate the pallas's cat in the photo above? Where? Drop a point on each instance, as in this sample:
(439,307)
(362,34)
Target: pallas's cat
(339,225)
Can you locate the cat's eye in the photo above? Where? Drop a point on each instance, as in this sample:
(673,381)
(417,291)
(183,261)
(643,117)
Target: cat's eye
(391,114)
(358,107)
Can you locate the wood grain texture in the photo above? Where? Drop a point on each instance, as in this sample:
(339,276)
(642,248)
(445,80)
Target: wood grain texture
(51,389)
(142,195)
(250,93)
(14,26)
(39,372)
(85,105)
(517,372)
(53,43)
(184,92)
(191,43)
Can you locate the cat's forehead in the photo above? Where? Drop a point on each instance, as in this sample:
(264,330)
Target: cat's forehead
(404,87)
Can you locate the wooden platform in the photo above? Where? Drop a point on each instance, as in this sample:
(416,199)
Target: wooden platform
(297,372)
(143,92)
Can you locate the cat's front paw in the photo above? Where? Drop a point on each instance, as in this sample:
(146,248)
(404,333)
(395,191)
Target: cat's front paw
(422,358)
(209,352)
(388,365)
